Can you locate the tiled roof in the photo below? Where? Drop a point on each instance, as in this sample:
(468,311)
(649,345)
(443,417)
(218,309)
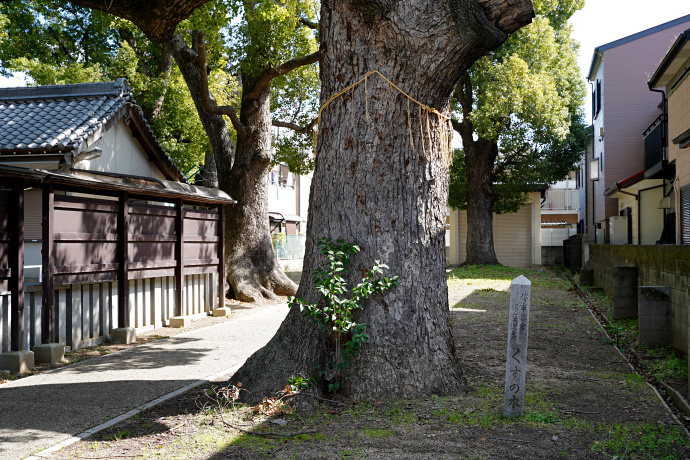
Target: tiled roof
(57,118)
(60,118)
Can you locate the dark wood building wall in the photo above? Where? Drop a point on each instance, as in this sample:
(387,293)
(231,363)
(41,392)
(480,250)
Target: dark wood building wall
(101,253)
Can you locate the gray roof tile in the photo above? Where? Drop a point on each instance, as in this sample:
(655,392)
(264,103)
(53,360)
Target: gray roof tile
(61,117)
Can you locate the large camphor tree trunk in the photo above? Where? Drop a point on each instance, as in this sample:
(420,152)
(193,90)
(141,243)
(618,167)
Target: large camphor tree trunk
(251,265)
(480,159)
(253,268)
(480,155)
(381,181)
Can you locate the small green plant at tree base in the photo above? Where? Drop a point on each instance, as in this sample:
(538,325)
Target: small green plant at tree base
(335,313)
(300,383)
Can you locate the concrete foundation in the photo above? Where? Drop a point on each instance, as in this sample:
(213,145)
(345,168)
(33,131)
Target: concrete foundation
(17,362)
(655,315)
(625,292)
(225,311)
(180,321)
(123,335)
(51,353)
(586,277)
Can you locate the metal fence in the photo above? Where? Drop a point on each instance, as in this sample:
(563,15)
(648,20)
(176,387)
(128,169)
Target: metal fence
(290,249)
(555,236)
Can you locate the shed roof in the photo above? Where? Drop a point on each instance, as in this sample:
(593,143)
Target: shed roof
(161,188)
(62,118)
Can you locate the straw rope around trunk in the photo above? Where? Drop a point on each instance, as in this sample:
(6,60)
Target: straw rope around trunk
(424,110)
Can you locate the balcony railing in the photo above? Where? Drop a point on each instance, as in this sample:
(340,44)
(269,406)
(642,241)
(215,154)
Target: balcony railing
(655,143)
(560,200)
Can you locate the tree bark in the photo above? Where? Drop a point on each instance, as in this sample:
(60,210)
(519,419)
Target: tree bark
(157,19)
(252,269)
(210,171)
(480,156)
(480,159)
(373,188)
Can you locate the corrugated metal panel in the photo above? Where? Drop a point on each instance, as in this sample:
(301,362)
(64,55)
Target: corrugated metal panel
(685,215)
(513,238)
(462,236)
(33,210)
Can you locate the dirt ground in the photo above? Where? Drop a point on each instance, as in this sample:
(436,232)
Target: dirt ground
(582,400)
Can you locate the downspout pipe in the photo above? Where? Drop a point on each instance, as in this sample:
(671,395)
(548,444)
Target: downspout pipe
(663,96)
(663,111)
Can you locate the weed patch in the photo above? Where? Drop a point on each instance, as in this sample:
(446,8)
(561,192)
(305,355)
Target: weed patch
(644,441)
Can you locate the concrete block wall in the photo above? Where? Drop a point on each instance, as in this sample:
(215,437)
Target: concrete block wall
(658,265)
(87,312)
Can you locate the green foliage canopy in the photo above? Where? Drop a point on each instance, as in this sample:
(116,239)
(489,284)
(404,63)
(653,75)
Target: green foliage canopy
(60,43)
(527,97)
(266,34)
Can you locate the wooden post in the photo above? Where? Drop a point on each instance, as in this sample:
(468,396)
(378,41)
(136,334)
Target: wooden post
(48,228)
(16,263)
(179,257)
(516,363)
(221,256)
(123,261)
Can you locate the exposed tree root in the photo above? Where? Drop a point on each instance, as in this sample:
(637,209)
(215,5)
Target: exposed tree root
(249,286)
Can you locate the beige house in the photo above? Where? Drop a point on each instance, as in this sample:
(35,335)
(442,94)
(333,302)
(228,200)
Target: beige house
(517,239)
(672,76)
(641,215)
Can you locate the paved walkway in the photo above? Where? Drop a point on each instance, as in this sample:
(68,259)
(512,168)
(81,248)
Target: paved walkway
(40,411)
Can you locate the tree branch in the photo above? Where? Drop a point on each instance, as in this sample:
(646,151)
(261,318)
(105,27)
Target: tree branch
(132,42)
(508,15)
(295,127)
(311,24)
(156,19)
(164,68)
(210,103)
(265,78)
(511,160)
(463,94)
(53,32)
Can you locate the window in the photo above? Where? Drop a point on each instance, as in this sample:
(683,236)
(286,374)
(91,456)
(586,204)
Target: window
(594,169)
(596,99)
(685,215)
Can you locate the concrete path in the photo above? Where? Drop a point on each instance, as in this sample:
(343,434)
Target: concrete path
(43,410)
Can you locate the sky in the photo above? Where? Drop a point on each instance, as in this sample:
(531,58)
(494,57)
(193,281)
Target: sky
(598,23)
(603,21)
